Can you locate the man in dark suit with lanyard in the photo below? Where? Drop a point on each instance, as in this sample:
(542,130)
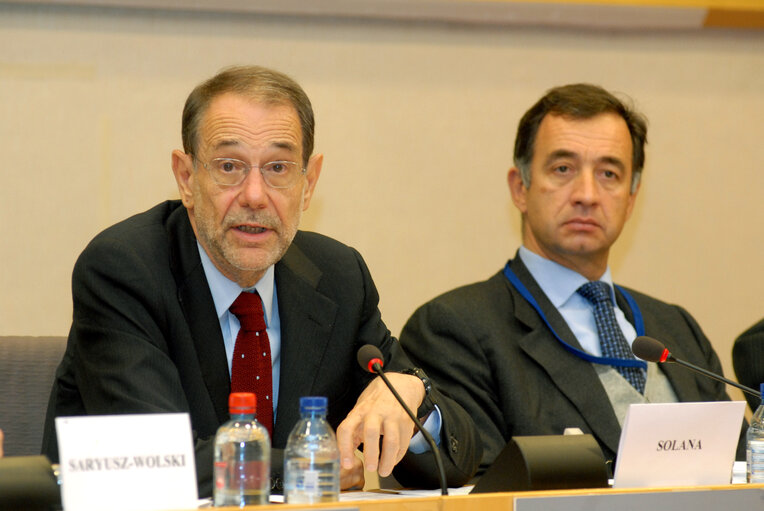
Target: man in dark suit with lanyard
(544,344)
(177,307)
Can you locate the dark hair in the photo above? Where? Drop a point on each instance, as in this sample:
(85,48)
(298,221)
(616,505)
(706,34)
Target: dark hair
(579,101)
(256,83)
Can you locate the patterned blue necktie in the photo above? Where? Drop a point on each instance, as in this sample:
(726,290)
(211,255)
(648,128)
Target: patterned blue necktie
(612,340)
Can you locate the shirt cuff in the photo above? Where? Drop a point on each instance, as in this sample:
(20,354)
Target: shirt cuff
(418,444)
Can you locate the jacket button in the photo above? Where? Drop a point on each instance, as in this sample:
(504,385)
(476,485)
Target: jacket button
(454,445)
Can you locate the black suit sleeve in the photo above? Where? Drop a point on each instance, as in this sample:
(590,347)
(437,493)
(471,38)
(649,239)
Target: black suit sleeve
(438,340)
(748,360)
(704,356)
(459,446)
(118,357)
(712,390)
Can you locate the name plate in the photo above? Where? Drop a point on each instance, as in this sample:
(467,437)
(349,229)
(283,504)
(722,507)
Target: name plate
(126,462)
(678,444)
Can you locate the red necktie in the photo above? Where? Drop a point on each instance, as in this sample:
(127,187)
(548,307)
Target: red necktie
(251,365)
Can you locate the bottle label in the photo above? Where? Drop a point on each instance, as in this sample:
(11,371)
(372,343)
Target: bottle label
(241,474)
(755,458)
(310,481)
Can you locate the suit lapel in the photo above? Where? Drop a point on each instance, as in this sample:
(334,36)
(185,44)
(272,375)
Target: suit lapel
(573,376)
(307,319)
(199,310)
(682,380)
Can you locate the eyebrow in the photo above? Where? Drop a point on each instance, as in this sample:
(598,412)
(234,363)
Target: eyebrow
(284,145)
(612,160)
(226,143)
(565,153)
(235,143)
(560,153)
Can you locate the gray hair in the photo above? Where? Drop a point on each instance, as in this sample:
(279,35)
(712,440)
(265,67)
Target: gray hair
(256,83)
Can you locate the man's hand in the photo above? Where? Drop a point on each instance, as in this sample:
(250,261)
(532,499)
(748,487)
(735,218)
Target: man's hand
(377,413)
(353,478)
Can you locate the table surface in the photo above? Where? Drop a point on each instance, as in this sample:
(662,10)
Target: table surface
(504,501)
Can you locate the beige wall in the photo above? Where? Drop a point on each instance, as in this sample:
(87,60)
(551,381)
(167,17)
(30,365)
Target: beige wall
(416,121)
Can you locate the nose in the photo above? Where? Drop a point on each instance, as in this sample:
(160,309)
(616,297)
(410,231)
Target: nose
(585,191)
(253,192)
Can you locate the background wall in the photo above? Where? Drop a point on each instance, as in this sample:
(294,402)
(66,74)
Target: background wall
(416,121)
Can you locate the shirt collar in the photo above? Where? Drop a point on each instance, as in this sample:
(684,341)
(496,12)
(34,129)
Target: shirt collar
(225,291)
(556,281)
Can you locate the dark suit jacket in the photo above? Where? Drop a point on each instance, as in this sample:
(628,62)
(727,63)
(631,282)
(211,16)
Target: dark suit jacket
(748,360)
(145,338)
(489,349)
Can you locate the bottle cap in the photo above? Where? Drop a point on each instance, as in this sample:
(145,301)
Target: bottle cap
(241,403)
(313,404)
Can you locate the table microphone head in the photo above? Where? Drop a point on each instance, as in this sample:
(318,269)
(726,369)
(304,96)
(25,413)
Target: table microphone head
(649,349)
(368,355)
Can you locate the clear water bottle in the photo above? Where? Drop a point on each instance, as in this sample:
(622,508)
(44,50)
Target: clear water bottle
(242,466)
(312,459)
(755,444)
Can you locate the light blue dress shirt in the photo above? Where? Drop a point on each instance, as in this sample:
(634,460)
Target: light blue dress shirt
(224,292)
(560,284)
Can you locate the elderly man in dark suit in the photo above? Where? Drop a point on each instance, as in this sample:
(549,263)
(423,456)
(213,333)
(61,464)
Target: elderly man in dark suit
(158,300)
(544,344)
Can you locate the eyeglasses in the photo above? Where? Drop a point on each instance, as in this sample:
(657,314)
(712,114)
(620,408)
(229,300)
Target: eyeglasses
(232,172)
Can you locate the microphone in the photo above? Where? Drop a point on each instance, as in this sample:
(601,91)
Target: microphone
(369,357)
(371,360)
(653,350)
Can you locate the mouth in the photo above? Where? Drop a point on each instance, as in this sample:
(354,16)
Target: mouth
(585,223)
(251,229)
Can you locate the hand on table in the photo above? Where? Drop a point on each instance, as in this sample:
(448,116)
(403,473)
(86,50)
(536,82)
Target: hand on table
(377,413)
(353,478)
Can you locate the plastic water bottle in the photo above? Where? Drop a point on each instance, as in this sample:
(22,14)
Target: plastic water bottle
(312,459)
(242,467)
(755,444)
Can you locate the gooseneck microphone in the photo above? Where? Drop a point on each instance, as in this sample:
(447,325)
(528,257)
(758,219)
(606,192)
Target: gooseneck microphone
(653,350)
(370,359)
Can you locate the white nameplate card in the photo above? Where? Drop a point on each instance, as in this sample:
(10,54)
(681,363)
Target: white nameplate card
(678,444)
(126,462)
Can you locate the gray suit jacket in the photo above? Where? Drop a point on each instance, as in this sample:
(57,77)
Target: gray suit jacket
(145,338)
(489,349)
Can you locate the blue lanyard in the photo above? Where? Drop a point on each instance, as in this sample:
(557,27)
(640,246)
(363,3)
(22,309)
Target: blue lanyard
(639,325)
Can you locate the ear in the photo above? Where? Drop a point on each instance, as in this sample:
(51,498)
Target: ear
(517,189)
(183,169)
(632,200)
(311,176)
